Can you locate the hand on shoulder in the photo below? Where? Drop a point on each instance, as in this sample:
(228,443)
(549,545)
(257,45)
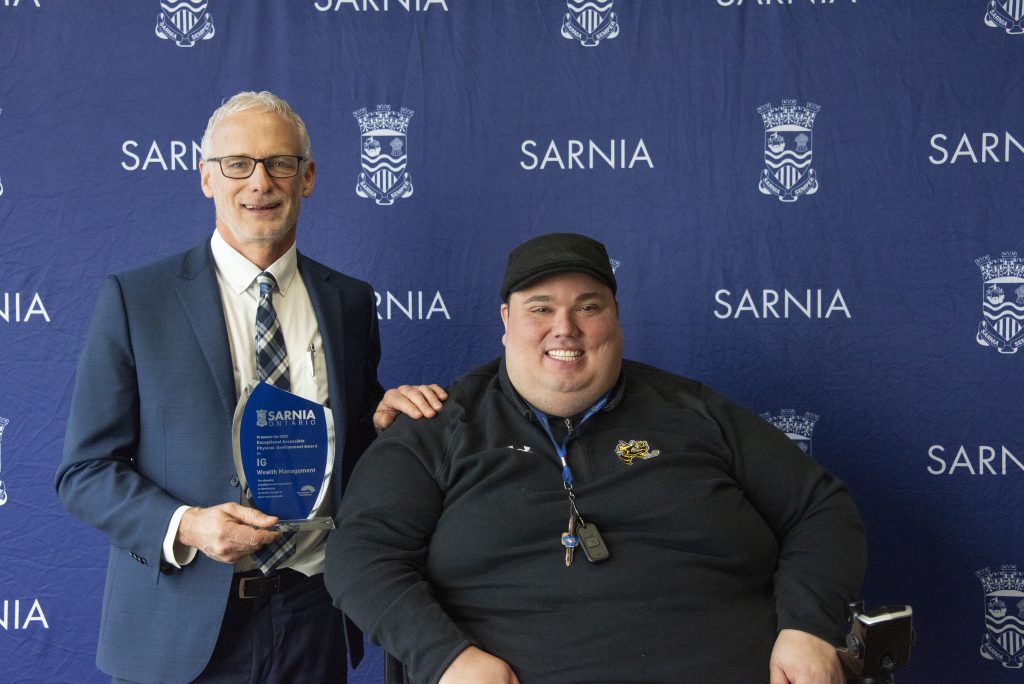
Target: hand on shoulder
(415,401)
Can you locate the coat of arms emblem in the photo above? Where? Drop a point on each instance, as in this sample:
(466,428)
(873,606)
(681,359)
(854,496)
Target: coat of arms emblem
(384,154)
(590,21)
(1002,325)
(797,428)
(1006,14)
(184,22)
(1004,615)
(788,148)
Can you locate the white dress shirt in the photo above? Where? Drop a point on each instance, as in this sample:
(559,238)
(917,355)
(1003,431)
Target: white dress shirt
(307,369)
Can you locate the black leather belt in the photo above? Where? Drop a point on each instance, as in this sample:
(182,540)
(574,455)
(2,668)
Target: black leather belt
(254,584)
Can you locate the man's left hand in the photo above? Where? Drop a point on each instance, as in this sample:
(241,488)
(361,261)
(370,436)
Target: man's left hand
(415,401)
(802,658)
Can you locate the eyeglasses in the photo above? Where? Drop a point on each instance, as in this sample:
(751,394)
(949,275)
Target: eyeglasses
(278,166)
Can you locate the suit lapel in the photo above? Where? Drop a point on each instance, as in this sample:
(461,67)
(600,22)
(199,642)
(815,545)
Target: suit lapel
(199,294)
(326,301)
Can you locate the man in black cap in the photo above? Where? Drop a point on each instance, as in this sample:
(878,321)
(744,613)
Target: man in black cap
(573,517)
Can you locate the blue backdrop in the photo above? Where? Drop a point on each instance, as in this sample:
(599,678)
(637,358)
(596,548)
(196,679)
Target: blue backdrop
(814,206)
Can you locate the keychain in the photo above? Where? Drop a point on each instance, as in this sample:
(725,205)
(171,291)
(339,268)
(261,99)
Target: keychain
(569,539)
(584,535)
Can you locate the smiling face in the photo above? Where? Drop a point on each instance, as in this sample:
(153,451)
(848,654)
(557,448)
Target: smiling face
(563,343)
(256,215)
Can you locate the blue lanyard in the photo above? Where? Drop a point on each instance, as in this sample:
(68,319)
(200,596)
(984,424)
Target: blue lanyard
(561,449)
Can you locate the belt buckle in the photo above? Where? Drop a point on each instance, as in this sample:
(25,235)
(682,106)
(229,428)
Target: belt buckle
(255,587)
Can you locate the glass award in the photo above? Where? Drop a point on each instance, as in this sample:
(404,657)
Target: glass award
(284,456)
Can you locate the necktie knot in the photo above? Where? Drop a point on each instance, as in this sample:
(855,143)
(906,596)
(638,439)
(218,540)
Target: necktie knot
(267,283)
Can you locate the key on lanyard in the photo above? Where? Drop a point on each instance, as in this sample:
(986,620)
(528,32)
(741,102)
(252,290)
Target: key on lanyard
(595,550)
(569,538)
(587,536)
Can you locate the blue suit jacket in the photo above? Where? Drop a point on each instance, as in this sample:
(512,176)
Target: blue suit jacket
(150,430)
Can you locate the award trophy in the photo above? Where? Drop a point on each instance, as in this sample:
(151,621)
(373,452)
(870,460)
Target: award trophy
(284,456)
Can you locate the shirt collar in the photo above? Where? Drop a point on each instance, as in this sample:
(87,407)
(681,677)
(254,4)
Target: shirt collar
(240,273)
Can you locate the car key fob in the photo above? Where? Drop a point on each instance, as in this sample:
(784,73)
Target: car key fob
(590,541)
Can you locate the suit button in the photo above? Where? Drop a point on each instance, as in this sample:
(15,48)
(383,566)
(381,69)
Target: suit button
(234,480)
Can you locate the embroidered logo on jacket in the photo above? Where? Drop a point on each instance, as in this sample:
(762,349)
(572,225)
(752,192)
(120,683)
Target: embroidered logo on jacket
(628,451)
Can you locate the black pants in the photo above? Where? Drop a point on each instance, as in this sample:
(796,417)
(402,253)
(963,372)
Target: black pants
(295,635)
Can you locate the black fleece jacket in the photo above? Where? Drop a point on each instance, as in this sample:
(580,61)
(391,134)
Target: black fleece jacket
(721,532)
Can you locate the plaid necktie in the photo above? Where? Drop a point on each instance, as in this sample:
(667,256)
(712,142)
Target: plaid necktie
(271,355)
(272,365)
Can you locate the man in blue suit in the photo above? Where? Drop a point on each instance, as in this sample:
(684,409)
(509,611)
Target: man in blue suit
(148,451)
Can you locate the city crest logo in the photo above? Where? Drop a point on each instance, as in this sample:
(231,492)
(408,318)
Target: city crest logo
(788,148)
(1006,14)
(590,21)
(1004,615)
(261,418)
(184,22)
(384,154)
(797,428)
(3,490)
(1002,325)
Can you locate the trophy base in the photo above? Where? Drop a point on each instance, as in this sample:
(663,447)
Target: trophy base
(320,524)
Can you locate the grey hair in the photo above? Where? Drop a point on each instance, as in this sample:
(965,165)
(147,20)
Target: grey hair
(263,101)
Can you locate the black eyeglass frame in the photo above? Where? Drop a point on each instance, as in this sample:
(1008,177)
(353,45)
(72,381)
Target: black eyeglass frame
(255,161)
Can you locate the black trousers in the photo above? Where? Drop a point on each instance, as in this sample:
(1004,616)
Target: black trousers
(294,635)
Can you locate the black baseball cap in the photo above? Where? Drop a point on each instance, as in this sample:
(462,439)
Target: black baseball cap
(556,253)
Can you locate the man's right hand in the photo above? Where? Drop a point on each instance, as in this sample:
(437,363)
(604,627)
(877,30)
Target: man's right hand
(415,401)
(226,532)
(474,666)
